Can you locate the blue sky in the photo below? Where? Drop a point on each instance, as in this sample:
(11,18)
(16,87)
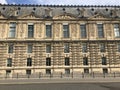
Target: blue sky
(63,2)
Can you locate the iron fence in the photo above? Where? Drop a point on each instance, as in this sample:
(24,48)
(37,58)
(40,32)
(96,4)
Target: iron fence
(60,75)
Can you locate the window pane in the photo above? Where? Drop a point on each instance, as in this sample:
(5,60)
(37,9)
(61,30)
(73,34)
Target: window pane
(102,47)
(30,31)
(48,48)
(9,62)
(86,70)
(85,61)
(12,29)
(48,31)
(48,71)
(29,61)
(67,71)
(48,61)
(100,30)
(83,31)
(10,49)
(66,48)
(118,47)
(84,47)
(116,30)
(104,61)
(105,70)
(29,49)
(67,62)
(65,31)
(28,72)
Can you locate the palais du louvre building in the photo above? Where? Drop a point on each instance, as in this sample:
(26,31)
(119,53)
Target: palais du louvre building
(59,38)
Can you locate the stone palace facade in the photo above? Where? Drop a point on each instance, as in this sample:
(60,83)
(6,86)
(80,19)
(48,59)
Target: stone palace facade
(59,38)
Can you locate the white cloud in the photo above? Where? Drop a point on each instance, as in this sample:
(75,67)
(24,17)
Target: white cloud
(79,2)
(3,1)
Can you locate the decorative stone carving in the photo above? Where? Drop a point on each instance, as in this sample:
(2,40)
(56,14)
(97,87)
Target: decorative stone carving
(65,16)
(48,12)
(92,30)
(1,15)
(114,13)
(74,30)
(98,16)
(12,11)
(31,15)
(57,30)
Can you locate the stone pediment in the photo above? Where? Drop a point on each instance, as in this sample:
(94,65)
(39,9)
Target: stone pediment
(32,15)
(64,16)
(98,16)
(1,16)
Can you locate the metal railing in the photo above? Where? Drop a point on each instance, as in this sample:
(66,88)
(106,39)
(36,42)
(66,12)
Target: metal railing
(60,75)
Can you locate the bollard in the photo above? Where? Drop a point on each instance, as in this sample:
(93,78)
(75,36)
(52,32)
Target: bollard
(104,75)
(17,75)
(28,76)
(61,74)
(93,75)
(39,74)
(82,75)
(51,75)
(114,75)
(72,74)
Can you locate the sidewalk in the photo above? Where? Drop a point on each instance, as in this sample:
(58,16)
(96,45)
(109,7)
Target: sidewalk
(63,80)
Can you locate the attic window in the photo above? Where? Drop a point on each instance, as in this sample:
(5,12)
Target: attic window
(3,8)
(92,9)
(19,8)
(63,9)
(106,9)
(78,9)
(34,9)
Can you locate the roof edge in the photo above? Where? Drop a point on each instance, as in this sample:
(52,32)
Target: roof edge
(46,5)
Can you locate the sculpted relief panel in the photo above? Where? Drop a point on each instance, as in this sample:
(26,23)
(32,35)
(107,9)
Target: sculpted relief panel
(92,30)
(108,29)
(64,16)
(74,30)
(57,30)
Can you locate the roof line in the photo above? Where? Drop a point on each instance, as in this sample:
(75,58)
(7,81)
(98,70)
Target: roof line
(40,5)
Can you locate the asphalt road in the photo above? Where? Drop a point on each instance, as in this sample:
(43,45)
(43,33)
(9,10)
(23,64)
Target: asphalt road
(61,86)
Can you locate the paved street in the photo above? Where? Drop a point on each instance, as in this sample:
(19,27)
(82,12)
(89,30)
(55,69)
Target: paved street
(62,86)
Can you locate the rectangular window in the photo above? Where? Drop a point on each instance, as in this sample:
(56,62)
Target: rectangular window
(48,61)
(116,30)
(104,61)
(29,61)
(30,31)
(10,48)
(66,48)
(48,71)
(86,70)
(118,47)
(12,30)
(105,70)
(67,71)
(9,62)
(48,48)
(29,49)
(102,47)
(8,72)
(83,31)
(100,30)
(85,61)
(28,72)
(67,61)
(48,31)
(84,47)
(66,31)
